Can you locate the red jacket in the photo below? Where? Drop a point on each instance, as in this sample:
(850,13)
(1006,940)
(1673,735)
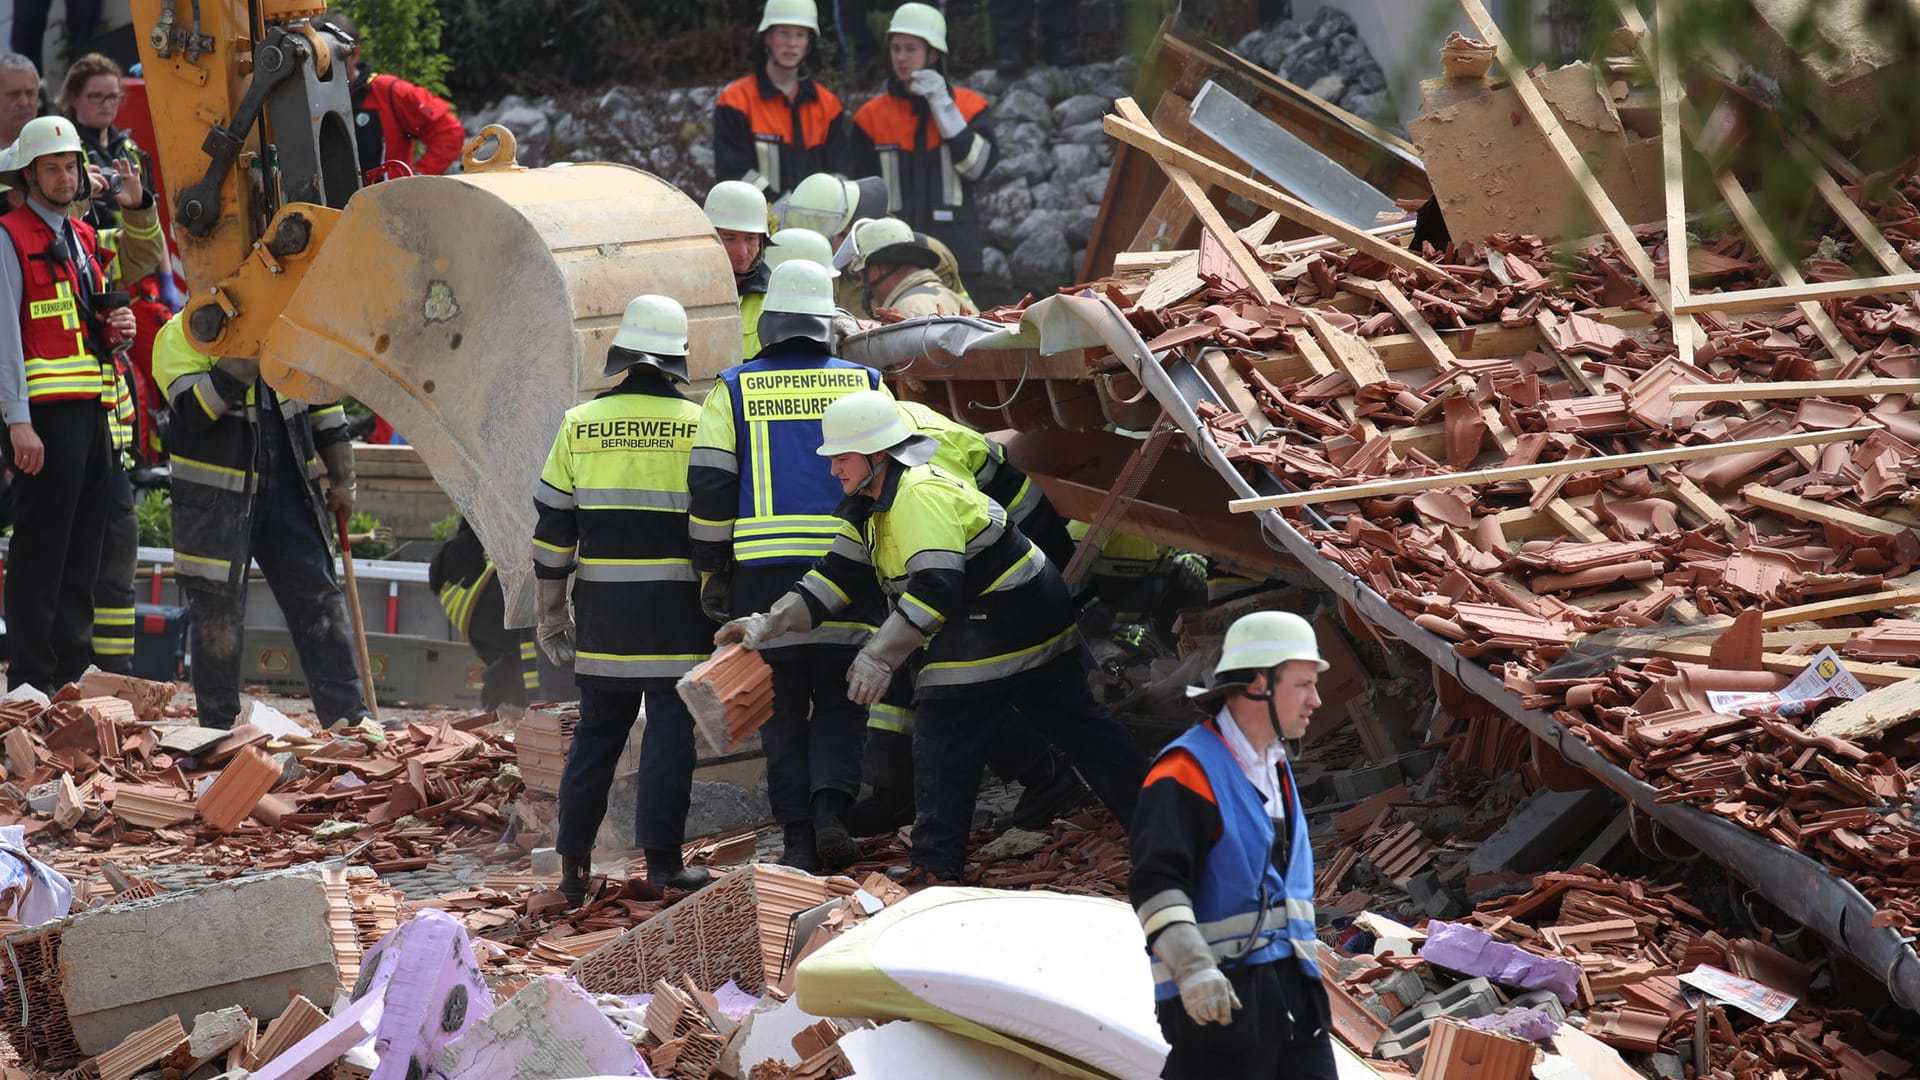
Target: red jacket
(404,113)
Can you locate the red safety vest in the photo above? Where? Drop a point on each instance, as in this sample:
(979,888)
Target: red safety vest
(60,364)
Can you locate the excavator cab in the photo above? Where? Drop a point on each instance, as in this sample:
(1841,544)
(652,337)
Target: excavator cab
(471,310)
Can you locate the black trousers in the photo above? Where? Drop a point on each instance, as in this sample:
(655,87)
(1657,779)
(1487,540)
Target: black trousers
(951,736)
(814,738)
(503,651)
(59,519)
(1279,1031)
(298,564)
(113,595)
(608,709)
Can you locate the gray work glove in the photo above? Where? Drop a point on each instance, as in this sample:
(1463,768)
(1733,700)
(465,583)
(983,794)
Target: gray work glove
(789,616)
(1204,990)
(872,669)
(928,85)
(554,627)
(340,476)
(242,369)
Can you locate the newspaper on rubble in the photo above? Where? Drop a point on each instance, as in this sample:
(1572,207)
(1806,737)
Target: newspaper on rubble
(1825,677)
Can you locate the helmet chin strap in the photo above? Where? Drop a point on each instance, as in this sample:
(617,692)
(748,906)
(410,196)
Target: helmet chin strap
(867,480)
(1273,713)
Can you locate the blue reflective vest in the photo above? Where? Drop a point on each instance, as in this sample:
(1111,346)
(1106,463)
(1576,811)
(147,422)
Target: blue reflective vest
(1246,910)
(787,493)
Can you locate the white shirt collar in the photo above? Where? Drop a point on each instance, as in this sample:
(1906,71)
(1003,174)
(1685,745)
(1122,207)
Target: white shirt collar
(1260,768)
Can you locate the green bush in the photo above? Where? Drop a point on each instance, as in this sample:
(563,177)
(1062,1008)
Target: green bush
(403,38)
(377,539)
(154,512)
(444,529)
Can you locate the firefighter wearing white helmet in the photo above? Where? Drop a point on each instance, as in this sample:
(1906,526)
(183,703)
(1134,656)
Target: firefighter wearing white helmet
(1222,874)
(777,125)
(789,245)
(632,634)
(971,603)
(58,385)
(897,271)
(738,213)
(762,512)
(928,140)
(832,206)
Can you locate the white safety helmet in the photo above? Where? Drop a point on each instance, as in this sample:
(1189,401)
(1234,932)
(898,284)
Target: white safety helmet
(822,202)
(41,136)
(1266,639)
(653,331)
(890,241)
(801,13)
(798,304)
(923,21)
(737,206)
(871,422)
(791,243)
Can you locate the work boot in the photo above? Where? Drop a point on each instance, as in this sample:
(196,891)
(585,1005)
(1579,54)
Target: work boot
(798,850)
(575,873)
(885,810)
(915,878)
(832,842)
(1047,791)
(666,871)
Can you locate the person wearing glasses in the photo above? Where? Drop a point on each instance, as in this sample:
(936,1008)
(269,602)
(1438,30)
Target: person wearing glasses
(90,97)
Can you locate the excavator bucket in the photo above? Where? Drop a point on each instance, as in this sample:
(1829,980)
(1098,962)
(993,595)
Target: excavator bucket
(472,311)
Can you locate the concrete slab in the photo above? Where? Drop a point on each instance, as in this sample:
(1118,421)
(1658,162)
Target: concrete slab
(252,942)
(1546,824)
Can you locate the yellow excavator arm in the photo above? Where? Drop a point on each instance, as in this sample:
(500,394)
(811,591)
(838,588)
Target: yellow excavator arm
(471,310)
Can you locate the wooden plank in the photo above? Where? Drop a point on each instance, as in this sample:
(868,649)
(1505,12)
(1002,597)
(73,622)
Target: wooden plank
(1686,335)
(1135,132)
(1183,180)
(1182,279)
(1872,712)
(1139,261)
(1350,354)
(1782,265)
(1500,474)
(1807,510)
(1228,383)
(1536,107)
(1783,639)
(1806,388)
(1783,664)
(1706,507)
(1845,605)
(1734,303)
(1855,219)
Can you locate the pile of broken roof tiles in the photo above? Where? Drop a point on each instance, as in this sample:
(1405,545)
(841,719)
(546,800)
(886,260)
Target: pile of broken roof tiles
(1523,354)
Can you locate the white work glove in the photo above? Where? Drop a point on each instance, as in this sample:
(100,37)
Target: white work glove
(1204,990)
(872,669)
(930,86)
(554,629)
(788,616)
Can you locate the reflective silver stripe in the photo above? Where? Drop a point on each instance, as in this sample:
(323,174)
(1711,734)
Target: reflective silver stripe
(984,474)
(890,172)
(1227,950)
(1029,567)
(631,499)
(936,560)
(949,183)
(823,591)
(201,567)
(990,535)
(548,495)
(328,419)
(710,532)
(973,672)
(832,633)
(188,471)
(975,163)
(200,384)
(552,558)
(1167,900)
(612,666)
(848,548)
(712,457)
(768,155)
(636,570)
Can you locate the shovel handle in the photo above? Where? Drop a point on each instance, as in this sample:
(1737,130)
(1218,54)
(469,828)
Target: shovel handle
(361,659)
